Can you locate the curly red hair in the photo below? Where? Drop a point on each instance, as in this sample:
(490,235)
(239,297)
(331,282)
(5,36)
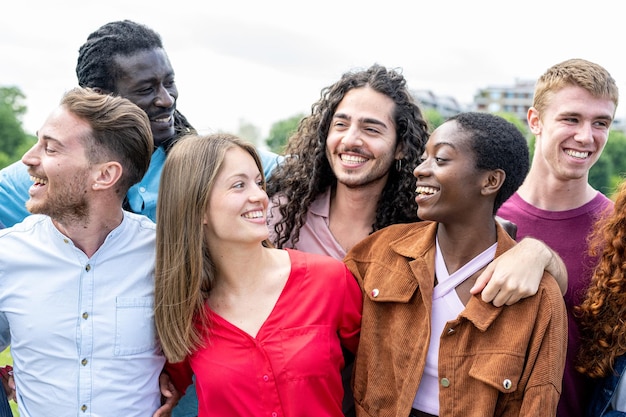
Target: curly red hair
(602,314)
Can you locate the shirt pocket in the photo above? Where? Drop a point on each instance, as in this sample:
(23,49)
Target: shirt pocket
(307,352)
(135,330)
(498,370)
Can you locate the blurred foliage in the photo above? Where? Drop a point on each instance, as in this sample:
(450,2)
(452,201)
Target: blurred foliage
(280,133)
(13,139)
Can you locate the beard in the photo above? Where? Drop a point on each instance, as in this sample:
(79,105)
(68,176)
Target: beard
(67,202)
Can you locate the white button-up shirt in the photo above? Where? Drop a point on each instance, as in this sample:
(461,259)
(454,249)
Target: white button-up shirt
(81,329)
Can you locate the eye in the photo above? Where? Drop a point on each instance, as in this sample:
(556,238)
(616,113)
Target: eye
(238,184)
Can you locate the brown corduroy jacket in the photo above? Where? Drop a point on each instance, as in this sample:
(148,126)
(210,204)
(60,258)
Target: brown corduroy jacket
(505,361)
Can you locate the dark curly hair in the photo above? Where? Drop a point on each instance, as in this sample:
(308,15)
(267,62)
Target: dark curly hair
(602,313)
(306,172)
(498,144)
(96,67)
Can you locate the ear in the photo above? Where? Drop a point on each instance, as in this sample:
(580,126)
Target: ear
(107,175)
(399,151)
(534,121)
(493,182)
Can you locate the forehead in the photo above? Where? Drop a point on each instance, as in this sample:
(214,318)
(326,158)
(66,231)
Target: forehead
(577,100)
(150,64)
(65,127)
(237,159)
(367,103)
(449,134)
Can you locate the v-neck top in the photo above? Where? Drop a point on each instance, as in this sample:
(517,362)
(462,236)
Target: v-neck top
(292,367)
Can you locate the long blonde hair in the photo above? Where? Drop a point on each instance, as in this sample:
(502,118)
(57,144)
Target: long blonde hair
(184,271)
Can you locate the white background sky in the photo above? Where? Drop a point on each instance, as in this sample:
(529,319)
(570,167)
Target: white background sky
(263,61)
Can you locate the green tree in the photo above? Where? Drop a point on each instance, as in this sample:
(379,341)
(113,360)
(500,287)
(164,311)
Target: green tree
(13,140)
(281,131)
(433,117)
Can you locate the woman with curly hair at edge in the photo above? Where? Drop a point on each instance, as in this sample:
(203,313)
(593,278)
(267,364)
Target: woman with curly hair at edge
(603,343)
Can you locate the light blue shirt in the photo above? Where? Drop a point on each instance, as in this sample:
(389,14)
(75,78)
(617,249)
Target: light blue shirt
(81,330)
(142,197)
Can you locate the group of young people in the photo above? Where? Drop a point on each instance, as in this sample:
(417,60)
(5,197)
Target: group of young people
(363,272)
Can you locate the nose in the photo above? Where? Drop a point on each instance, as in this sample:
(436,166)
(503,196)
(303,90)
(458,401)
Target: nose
(164,98)
(421,170)
(31,157)
(352,137)
(585,133)
(258,194)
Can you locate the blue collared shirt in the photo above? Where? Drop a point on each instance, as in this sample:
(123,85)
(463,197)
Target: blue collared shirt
(142,197)
(81,329)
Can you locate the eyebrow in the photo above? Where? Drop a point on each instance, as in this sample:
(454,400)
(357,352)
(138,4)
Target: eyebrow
(367,120)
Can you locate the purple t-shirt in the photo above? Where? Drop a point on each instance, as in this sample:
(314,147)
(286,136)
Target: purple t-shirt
(566,232)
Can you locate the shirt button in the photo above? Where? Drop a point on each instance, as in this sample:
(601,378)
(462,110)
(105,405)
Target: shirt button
(266,378)
(445,382)
(85,315)
(84,362)
(274,414)
(507,384)
(375,292)
(83,408)
(88,268)
(142,189)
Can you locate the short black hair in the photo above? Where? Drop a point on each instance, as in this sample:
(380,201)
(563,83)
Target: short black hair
(498,144)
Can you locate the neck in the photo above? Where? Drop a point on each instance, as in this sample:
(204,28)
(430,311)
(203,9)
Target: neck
(355,205)
(552,194)
(236,274)
(89,232)
(461,243)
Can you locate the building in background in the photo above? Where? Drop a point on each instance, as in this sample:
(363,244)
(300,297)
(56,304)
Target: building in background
(515,99)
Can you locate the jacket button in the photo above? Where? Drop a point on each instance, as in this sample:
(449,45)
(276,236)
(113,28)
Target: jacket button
(375,292)
(445,382)
(507,384)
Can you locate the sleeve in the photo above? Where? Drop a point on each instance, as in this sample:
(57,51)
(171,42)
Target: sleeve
(350,325)
(181,374)
(547,353)
(14,185)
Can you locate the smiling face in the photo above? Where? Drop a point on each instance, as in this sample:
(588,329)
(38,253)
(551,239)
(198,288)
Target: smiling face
(237,203)
(571,133)
(59,167)
(361,144)
(448,183)
(147,79)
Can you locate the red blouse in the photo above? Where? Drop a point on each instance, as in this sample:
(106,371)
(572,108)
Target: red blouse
(292,367)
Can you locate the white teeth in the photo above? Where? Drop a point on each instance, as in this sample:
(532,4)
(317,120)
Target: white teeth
(576,154)
(37,180)
(353,159)
(167,119)
(425,190)
(254,215)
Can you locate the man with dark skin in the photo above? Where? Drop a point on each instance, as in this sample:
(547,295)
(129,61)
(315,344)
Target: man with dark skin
(127,59)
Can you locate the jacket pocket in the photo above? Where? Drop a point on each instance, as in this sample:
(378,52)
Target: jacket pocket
(498,370)
(135,331)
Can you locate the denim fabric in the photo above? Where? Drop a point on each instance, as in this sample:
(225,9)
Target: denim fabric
(5,409)
(601,400)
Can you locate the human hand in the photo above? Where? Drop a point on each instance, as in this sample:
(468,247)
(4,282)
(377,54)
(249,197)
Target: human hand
(514,275)
(8,382)
(169,396)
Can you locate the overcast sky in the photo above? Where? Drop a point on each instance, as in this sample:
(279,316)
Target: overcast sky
(261,61)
